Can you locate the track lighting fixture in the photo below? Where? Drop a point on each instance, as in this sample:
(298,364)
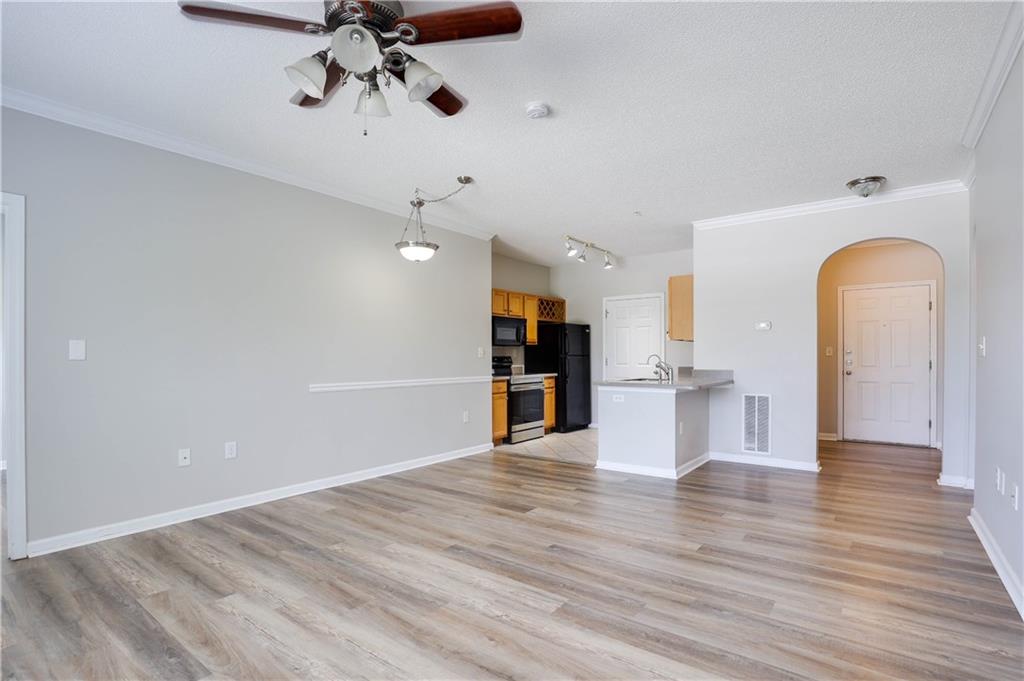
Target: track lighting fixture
(577,248)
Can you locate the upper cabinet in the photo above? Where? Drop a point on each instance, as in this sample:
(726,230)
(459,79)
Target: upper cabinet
(499,302)
(527,306)
(515,304)
(530,312)
(680,307)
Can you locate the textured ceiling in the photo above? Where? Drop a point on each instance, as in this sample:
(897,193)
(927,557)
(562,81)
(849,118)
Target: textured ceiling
(678,111)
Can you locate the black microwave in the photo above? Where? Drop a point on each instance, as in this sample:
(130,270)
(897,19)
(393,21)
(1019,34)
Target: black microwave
(508,331)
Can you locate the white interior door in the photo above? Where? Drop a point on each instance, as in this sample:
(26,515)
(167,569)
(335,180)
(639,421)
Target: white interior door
(886,364)
(634,329)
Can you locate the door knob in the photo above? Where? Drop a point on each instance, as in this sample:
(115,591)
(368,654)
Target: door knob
(849,373)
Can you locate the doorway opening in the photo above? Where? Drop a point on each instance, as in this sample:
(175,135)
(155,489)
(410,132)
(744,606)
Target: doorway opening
(12,353)
(880,346)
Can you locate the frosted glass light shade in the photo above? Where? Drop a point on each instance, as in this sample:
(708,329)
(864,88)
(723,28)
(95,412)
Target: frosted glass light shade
(417,251)
(309,75)
(355,48)
(372,104)
(422,81)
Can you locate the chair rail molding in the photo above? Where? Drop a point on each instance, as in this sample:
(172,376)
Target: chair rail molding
(1007,47)
(406,383)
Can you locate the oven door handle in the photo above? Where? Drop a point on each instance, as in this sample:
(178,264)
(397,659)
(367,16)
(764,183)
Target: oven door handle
(531,386)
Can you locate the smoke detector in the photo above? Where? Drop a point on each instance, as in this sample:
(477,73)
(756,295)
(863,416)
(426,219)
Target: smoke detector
(537,110)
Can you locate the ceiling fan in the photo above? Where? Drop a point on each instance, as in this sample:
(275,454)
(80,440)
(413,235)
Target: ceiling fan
(365,40)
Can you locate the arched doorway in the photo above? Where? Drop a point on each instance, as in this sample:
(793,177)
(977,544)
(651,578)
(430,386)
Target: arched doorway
(880,344)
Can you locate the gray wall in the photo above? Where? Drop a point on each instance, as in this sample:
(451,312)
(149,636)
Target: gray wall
(768,271)
(210,300)
(999,251)
(518,275)
(585,286)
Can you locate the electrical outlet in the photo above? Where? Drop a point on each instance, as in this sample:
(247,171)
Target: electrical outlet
(680,427)
(465,416)
(184,457)
(480,353)
(230,450)
(829,351)
(999,478)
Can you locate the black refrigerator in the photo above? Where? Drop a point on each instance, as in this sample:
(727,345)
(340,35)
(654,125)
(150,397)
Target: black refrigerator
(564,349)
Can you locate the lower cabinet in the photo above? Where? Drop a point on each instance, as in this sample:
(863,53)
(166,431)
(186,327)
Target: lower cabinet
(549,404)
(499,410)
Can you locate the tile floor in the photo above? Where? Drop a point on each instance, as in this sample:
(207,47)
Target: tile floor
(579,446)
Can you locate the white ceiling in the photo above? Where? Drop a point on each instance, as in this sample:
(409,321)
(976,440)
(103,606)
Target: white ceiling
(679,111)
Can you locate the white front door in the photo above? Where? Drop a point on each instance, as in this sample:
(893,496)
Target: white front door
(886,364)
(634,329)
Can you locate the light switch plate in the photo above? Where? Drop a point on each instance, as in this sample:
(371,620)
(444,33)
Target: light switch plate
(76,350)
(829,351)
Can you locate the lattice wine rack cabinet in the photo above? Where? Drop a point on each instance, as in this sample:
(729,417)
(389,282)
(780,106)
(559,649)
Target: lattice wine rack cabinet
(550,309)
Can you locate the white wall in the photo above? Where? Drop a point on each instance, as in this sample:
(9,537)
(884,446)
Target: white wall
(998,218)
(769,270)
(585,286)
(210,299)
(518,275)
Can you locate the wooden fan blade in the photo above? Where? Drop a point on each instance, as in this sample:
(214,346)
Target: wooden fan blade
(444,103)
(478,21)
(220,11)
(334,74)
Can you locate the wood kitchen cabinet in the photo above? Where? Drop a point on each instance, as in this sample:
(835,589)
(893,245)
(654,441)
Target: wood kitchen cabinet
(530,311)
(516,304)
(549,404)
(680,307)
(499,302)
(499,410)
(533,308)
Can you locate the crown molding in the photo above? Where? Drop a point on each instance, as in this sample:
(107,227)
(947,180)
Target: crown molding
(970,172)
(81,118)
(1007,47)
(845,203)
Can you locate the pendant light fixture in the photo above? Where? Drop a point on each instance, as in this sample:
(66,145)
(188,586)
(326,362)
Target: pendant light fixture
(419,249)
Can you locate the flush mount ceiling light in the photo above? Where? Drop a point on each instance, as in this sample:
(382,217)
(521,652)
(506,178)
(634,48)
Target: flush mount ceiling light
(865,186)
(364,35)
(577,248)
(419,249)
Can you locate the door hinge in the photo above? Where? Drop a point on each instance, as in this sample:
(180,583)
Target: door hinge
(606,361)
(929,365)
(929,305)
(606,314)
(929,424)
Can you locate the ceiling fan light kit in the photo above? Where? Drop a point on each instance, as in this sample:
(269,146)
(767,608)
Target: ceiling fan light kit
(577,248)
(364,35)
(309,74)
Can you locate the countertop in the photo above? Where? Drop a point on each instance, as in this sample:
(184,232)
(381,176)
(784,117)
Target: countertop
(686,379)
(505,378)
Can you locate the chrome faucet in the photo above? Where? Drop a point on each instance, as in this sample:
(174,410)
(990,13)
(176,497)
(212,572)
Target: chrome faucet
(662,369)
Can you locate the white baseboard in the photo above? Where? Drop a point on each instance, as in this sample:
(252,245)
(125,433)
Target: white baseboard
(955,481)
(91,535)
(756,460)
(652,471)
(828,437)
(692,465)
(1010,580)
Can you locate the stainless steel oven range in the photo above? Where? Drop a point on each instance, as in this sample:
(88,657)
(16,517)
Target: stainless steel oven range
(526,408)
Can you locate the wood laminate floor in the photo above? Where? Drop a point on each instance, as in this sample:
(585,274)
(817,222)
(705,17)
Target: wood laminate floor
(499,566)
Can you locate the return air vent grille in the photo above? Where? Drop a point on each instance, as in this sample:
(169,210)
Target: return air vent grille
(757,429)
